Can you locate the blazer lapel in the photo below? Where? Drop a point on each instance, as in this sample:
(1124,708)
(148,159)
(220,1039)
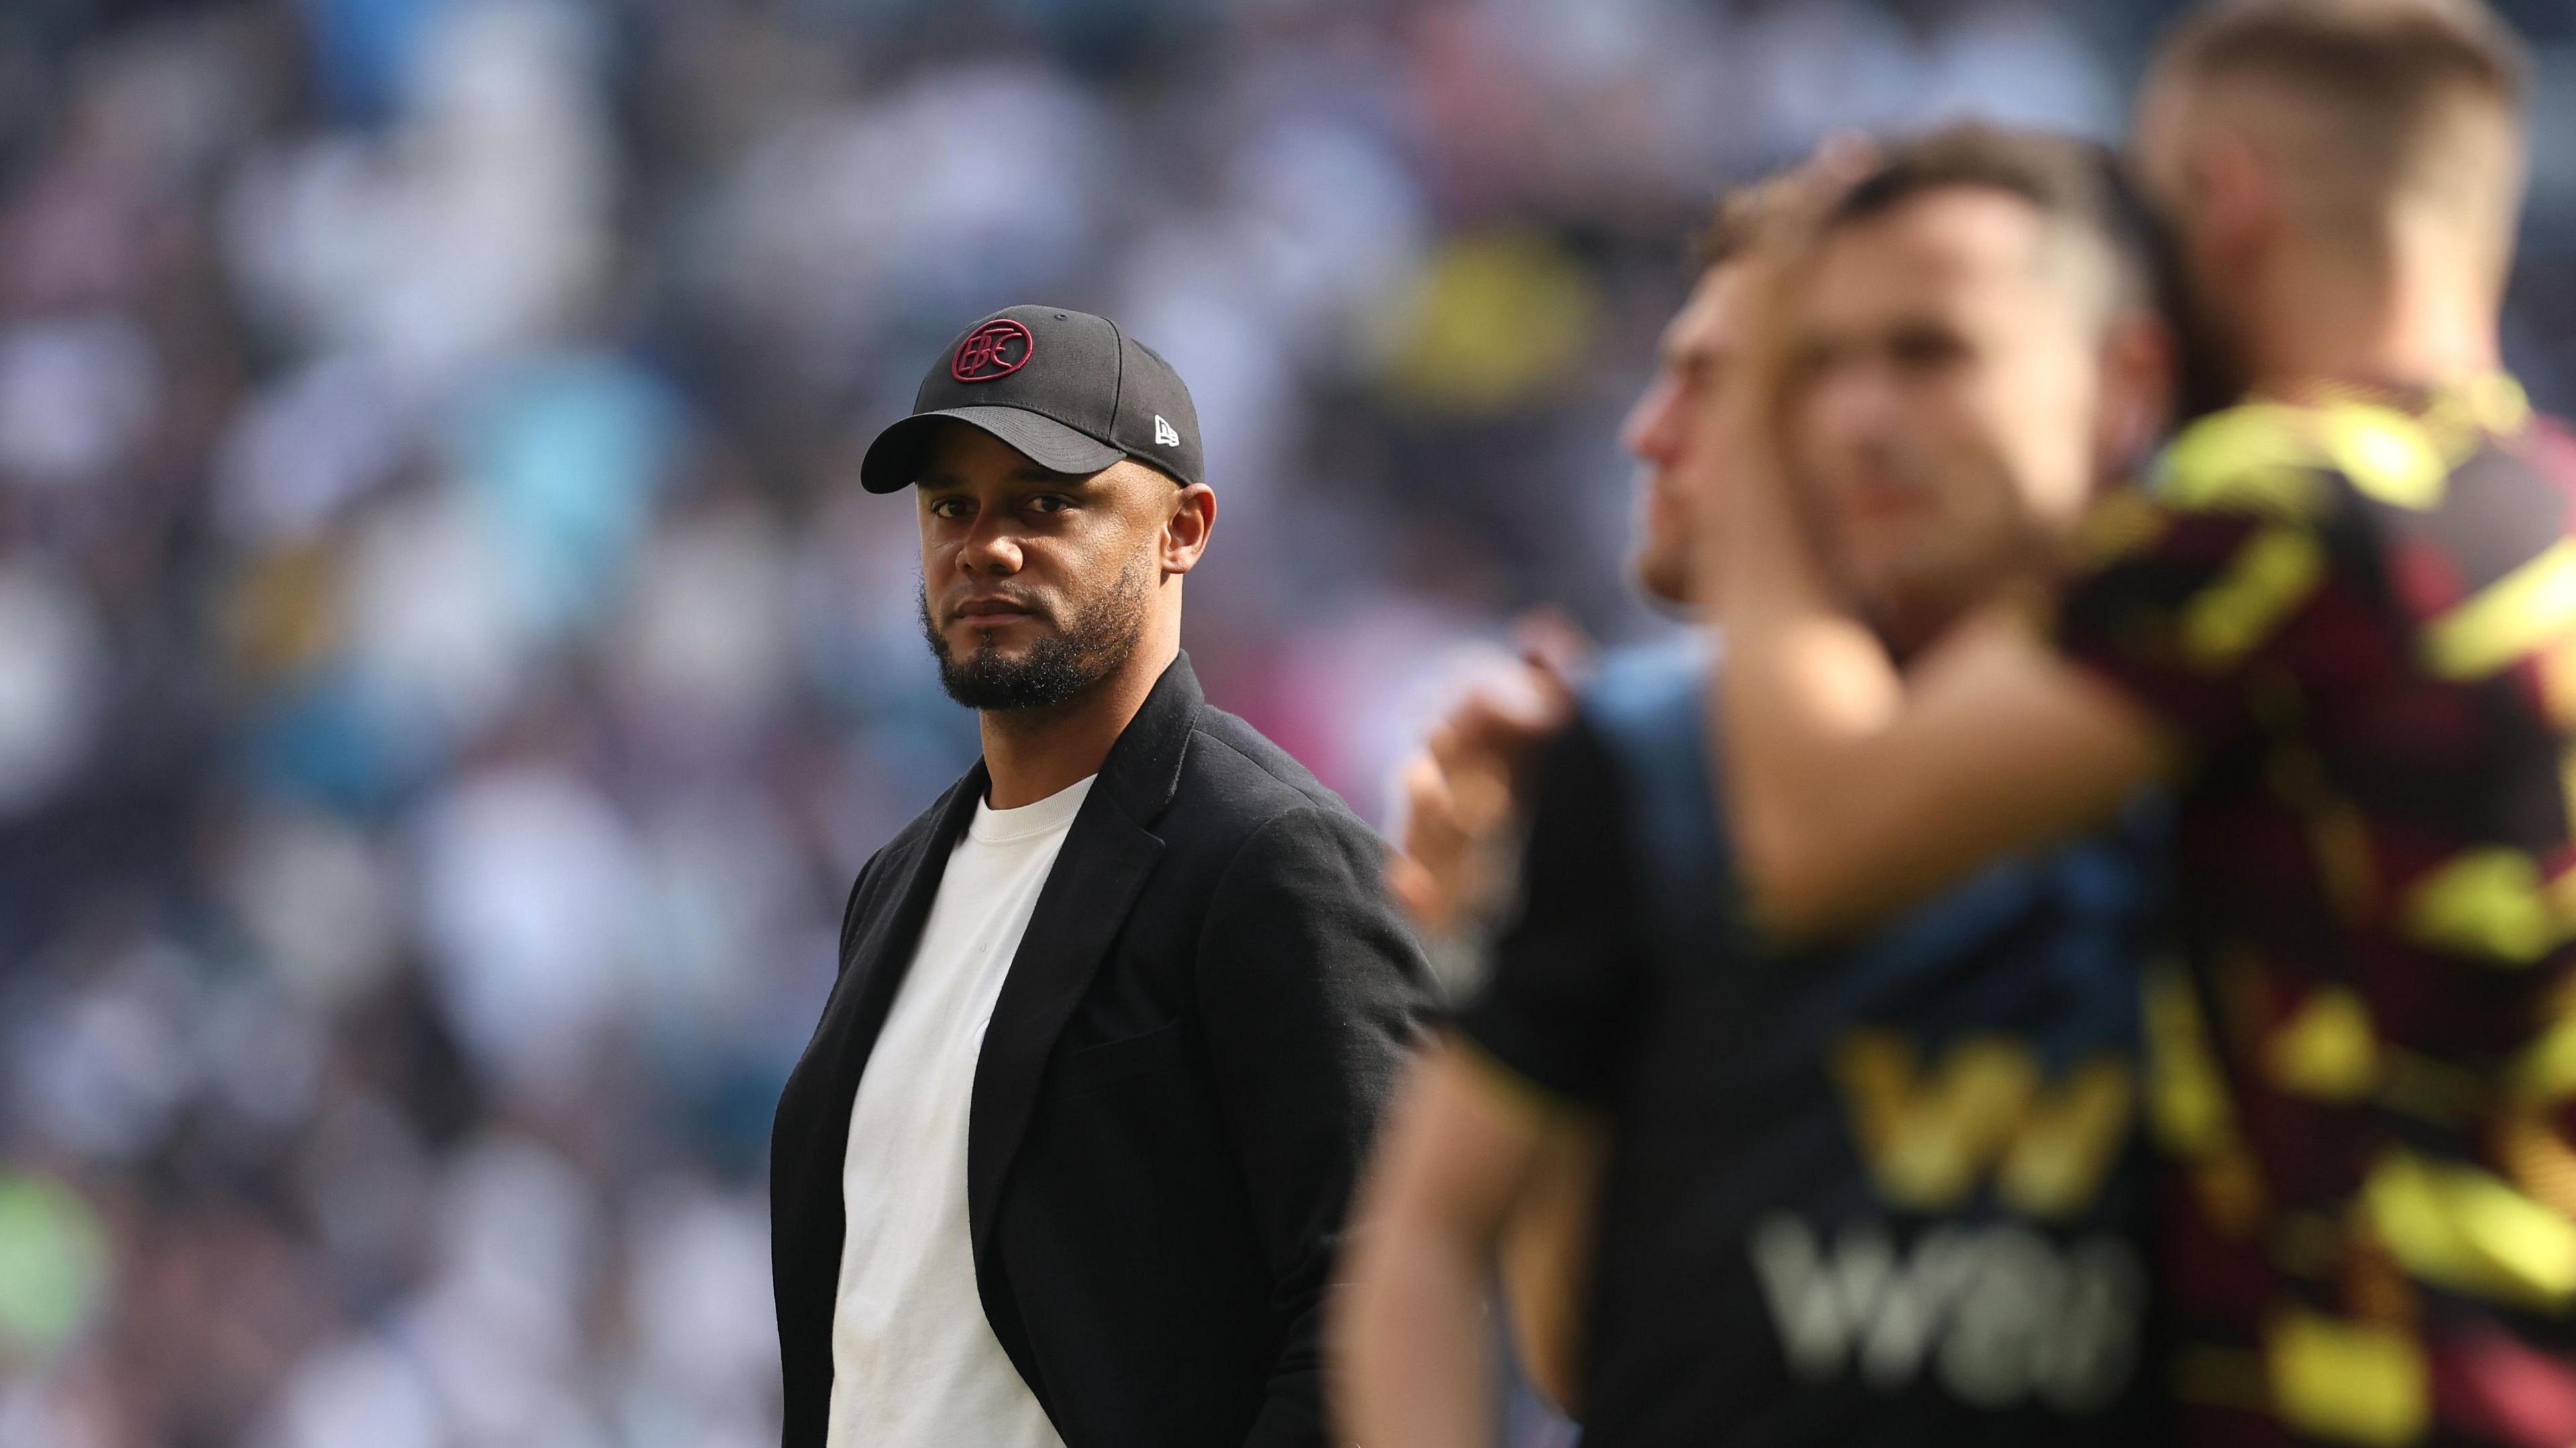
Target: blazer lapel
(873,960)
(814,1111)
(1107,856)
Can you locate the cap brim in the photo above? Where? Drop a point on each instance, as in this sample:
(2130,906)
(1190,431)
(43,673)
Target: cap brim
(894,460)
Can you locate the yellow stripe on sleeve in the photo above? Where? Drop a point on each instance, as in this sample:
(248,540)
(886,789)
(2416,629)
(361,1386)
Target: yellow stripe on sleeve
(2328,1051)
(2459,1227)
(2527,609)
(2387,454)
(2261,457)
(2271,575)
(2347,1382)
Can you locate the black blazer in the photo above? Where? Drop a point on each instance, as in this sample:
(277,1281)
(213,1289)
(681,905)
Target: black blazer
(1176,1090)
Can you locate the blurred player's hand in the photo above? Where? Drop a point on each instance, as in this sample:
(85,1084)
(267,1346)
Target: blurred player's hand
(1755,537)
(1466,788)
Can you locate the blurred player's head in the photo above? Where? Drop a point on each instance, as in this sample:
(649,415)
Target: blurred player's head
(1056,465)
(1976,347)
(1698,347)
(2338,170)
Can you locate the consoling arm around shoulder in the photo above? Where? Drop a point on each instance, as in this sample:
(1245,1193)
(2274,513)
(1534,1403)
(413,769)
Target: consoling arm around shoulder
(1310,991)
(1853,793)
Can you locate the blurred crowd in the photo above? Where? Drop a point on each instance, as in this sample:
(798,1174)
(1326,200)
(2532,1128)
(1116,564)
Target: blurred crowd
(449,676)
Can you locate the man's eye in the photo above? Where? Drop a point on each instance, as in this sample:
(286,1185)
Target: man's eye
(1926,349)
(1048,503)
(949,508)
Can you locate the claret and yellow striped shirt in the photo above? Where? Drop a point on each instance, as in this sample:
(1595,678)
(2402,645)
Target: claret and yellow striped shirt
(2355,607)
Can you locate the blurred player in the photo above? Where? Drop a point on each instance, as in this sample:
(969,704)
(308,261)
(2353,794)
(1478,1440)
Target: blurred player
(2343,616)
(1886,1195)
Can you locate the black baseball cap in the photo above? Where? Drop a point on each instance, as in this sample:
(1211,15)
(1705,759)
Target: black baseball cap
(1068,389)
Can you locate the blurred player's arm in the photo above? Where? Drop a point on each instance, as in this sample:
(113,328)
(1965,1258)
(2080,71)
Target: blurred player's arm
(1853,790)
(1546,1255)
(1495,1149)
(1472,1164)
(1854,794)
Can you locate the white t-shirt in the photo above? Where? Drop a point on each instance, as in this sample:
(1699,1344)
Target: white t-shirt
(914,1362)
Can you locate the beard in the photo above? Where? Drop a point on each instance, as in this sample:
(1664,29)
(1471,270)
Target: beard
(1060,667)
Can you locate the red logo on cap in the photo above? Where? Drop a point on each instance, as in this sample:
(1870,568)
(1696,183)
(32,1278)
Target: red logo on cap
(996,349)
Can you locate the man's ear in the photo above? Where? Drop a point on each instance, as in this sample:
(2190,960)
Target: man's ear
(2140,358)
(2240,195)
(1187,526)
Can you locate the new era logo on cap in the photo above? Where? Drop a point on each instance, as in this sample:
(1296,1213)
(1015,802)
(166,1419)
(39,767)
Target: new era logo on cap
(1068,390)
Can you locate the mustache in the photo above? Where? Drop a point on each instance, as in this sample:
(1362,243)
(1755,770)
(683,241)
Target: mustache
(956,598)
(1896,466)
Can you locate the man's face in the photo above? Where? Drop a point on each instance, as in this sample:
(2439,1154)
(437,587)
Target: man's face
(1699,345)
(1949,382)
(1034,585)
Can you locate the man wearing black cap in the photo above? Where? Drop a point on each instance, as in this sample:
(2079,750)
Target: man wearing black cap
(1067,1159)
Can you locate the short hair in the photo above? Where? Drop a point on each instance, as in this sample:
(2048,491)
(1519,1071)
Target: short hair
(1745,217)
(2401,97)
(2386,60)
(2075,185)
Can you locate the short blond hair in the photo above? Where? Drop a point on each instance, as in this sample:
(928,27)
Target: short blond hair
(2392,57)
(2389,102)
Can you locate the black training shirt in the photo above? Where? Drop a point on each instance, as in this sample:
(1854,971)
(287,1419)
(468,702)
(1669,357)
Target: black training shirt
(1887,1194)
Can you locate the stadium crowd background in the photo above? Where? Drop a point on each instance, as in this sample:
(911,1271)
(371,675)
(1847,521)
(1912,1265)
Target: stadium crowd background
(448,676)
